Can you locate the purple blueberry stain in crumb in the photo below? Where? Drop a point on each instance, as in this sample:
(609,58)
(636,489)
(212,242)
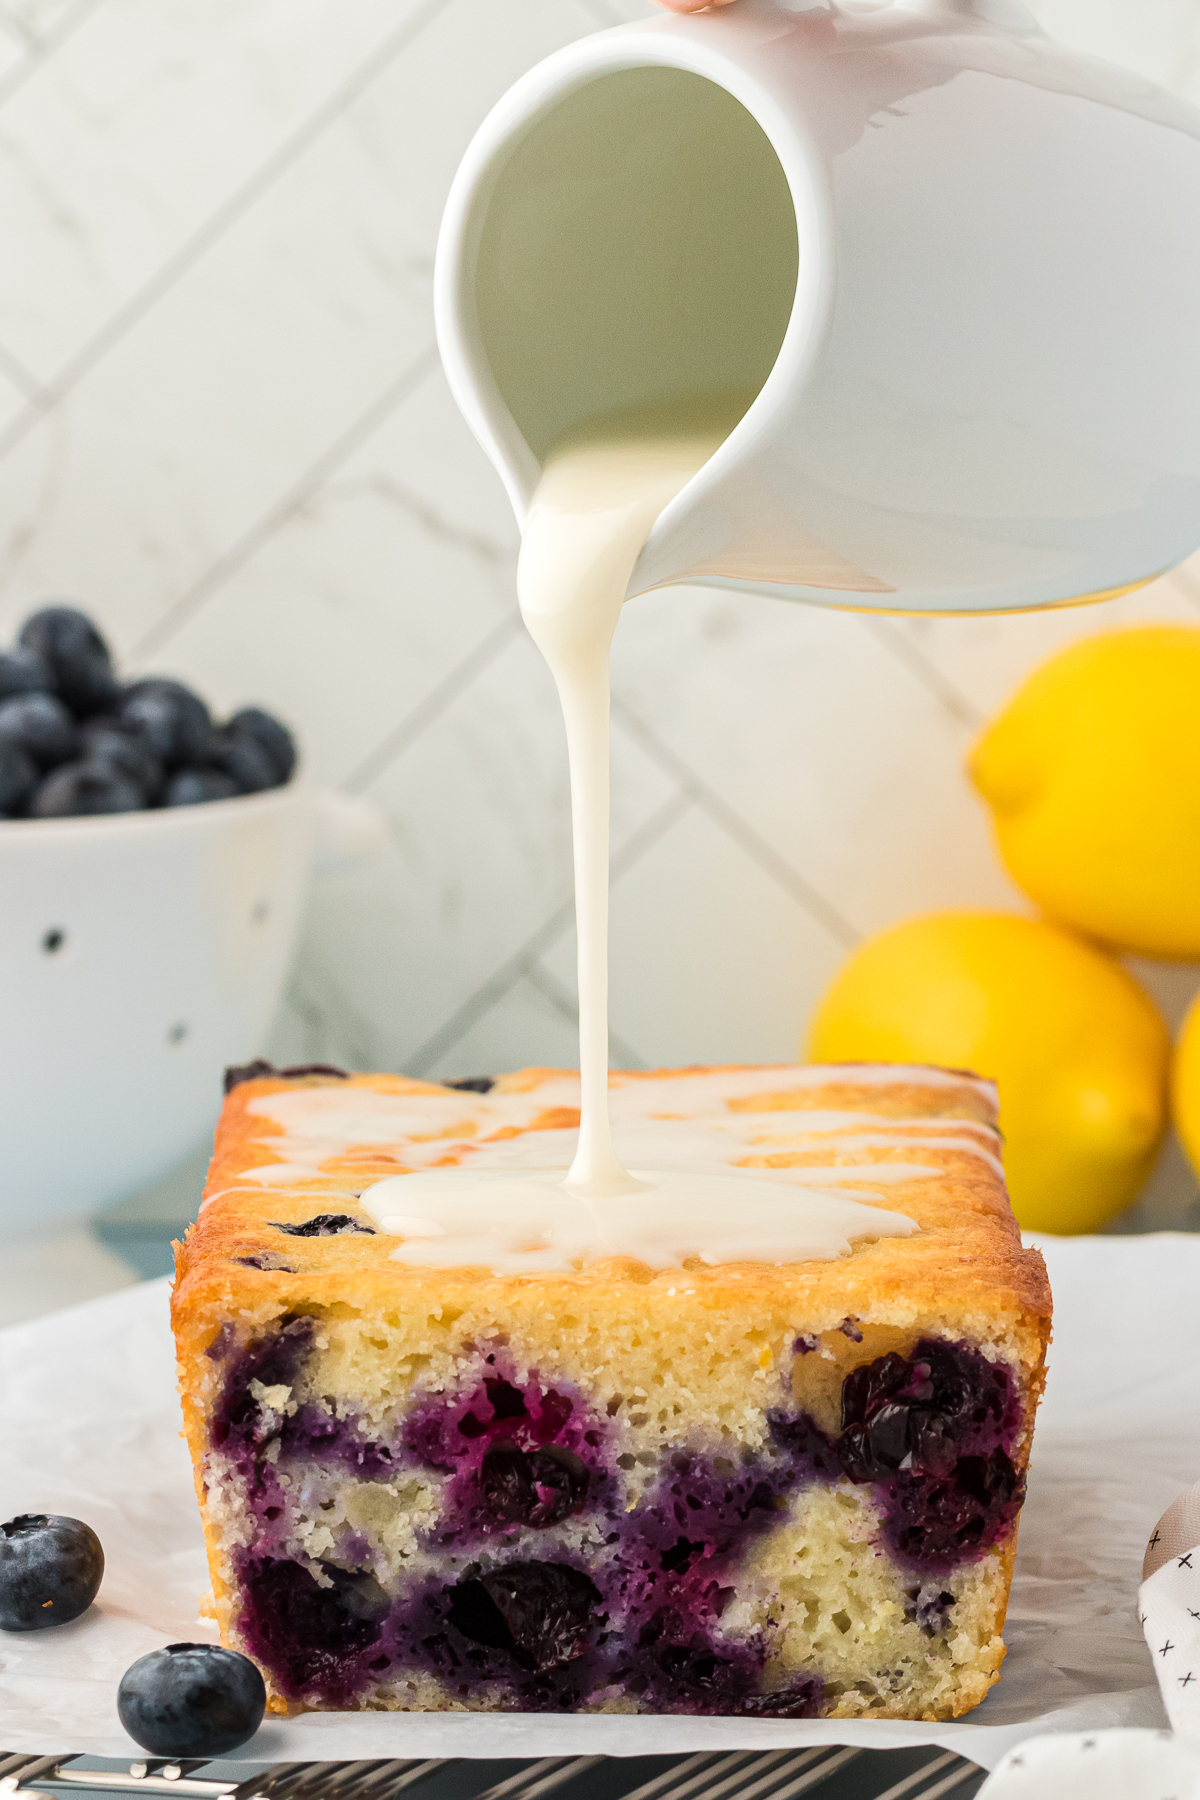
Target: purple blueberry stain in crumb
(537,1638)
(325,1225)
(812,1454)
(850,1328)
(668,1572)
(313,1433)
(676,1572)
(548,1631)
(805,1344)
(251,1434)
(929,1606)
(354,1547)
(238,1425)
(518,1455)
(266,1262)
(804,1701)
(314,1634)
(640,1616)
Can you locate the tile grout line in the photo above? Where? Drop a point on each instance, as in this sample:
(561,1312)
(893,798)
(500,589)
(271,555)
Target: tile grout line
(306,992)
(226,215)
(43,47)
(435,702)
(490,992)
(18,32)
(502,981)
(560,997)
(733,825)
(899,645)
(289,503)
(1186,583)
(21,377)
(604,14)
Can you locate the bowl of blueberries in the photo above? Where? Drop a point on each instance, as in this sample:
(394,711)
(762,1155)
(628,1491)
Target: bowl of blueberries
(153,865)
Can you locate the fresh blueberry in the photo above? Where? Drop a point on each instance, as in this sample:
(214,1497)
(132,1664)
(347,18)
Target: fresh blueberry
(86,788)
(50,1570)
(23,672)
(42,726)
(76,655)
(272,737)
(541,1612)
(191,1700)
(108,741)
(532,1487)
(173,720)
(244,760)
(18,778)
(191,787)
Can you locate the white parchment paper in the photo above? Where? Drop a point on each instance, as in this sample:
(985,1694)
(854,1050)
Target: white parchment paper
(89,1426)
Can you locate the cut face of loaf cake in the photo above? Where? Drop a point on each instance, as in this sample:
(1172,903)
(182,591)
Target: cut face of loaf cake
(731,1488)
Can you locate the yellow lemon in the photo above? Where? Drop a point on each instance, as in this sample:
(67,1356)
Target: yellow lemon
(1078,1049)
(1185,1084)
(1092,772)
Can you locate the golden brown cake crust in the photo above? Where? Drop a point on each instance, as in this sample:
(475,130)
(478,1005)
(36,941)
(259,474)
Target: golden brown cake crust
(969,1242)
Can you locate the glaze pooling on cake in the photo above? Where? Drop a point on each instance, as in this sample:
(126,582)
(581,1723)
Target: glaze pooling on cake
(733,1191)
(522,1221)
(738,1488)
(307,1126)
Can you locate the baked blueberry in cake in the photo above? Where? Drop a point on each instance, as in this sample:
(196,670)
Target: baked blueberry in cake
(777,1490)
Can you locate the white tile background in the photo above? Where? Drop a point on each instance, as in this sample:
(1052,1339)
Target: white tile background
(223,428)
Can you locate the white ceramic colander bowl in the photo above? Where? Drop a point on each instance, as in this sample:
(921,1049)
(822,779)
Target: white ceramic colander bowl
(139,954)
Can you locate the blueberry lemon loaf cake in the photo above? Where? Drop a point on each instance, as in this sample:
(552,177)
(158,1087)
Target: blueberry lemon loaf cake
(435,1476)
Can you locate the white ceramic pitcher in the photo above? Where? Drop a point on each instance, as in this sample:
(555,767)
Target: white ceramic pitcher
(959,264)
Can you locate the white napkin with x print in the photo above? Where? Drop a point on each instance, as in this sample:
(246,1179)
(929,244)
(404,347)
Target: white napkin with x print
(1134,1765)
